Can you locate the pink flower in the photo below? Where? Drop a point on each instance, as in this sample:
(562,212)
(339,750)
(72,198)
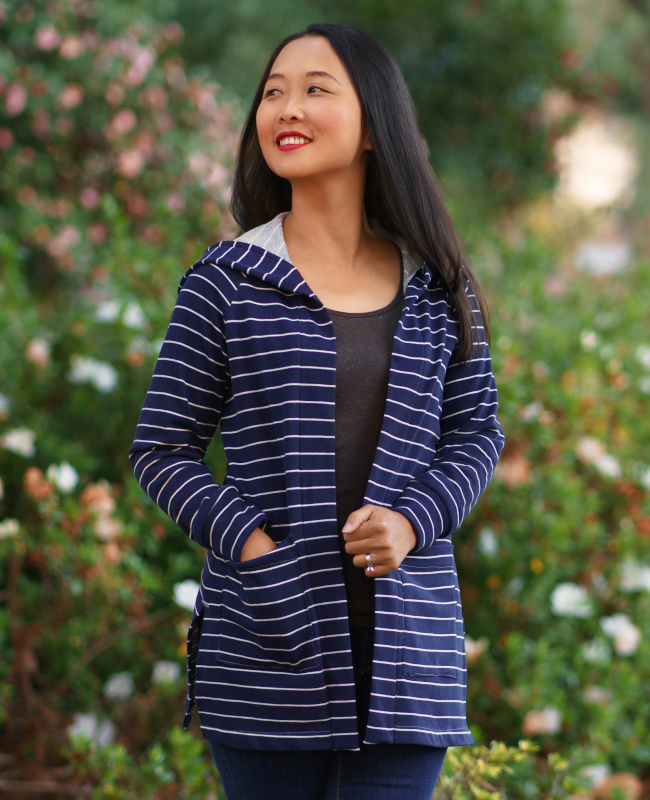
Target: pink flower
(46,38)
(89,198)
(130,163)
(173,32)
(6,138)
(114,93)
(140,66)
(123,122)
(71,46)
(71,95)
(175,203)
(97,233)
(15,99)
(67,237)
(153,97)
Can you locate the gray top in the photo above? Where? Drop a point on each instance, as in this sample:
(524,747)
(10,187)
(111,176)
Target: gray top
(364,345)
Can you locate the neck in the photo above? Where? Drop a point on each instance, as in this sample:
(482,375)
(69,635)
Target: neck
(328,217)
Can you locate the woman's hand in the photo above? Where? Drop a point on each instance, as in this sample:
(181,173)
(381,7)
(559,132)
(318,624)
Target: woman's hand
(257,544)
(387,535)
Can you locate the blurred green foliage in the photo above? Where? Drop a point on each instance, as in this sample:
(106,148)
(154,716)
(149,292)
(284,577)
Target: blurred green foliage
(476,72)
(115,163)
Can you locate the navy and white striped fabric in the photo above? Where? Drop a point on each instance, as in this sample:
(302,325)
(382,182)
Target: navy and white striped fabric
(251,348)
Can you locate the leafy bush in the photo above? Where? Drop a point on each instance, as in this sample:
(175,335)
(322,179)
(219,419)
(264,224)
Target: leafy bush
(114,168)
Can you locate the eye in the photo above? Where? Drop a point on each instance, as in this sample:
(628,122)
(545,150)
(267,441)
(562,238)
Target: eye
(271,90)
(315,87)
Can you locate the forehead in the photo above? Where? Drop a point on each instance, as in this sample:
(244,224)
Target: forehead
(308,54)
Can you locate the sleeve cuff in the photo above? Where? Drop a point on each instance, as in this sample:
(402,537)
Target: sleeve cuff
(223,524)
(429,518)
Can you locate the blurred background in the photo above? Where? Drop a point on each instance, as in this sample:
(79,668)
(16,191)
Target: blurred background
(119,124)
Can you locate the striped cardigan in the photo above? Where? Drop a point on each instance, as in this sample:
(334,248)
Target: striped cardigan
(251,348)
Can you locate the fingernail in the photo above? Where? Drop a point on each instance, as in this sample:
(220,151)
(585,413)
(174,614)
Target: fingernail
(346,527)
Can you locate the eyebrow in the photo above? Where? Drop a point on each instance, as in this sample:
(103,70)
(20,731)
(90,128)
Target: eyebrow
(313,72)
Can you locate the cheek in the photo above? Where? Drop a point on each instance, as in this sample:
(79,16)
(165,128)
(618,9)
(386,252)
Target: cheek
(341,125)
(264,124)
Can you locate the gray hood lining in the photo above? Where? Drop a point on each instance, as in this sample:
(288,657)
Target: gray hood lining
(270,236)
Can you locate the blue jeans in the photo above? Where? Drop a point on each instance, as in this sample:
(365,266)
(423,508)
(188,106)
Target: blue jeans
(375,772)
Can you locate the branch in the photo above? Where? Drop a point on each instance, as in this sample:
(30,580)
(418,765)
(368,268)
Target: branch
(40,787)
(107,641)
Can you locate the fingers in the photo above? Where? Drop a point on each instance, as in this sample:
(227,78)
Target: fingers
(356,518)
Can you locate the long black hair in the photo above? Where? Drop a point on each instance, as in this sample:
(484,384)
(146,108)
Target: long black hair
(402,192)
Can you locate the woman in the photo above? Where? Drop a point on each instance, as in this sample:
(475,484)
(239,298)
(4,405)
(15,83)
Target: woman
(339,344)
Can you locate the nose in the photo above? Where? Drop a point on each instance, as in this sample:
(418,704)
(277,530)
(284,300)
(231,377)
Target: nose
(291,111)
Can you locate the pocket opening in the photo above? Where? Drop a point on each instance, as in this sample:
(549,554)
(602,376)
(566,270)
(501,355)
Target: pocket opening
(430,622)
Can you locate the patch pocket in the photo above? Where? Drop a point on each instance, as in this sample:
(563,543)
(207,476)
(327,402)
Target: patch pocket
(264,618)
(430,621)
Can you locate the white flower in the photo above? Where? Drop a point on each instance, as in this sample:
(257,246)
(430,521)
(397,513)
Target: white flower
(548,720)
(595,651)
(588,339)
(5,405)
(107,528)
(645,479)
(592,451)
(634,576)
(595,773)
(9,527)
(487,542)
(19,440)
(531,411)
(570,600)
(473,649)
(185,594)
(88,726)
(625,633)
(107,311)
(588,449)
(597,695)
(63,476)
(165,673)
(133,316)
(608,466)
(643,355)
(102,375)
(119,686)
(38,352)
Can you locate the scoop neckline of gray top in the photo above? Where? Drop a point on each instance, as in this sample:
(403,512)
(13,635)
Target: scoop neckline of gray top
(270,236)
(385,308)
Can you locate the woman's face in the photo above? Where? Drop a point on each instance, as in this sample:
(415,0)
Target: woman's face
(309,93)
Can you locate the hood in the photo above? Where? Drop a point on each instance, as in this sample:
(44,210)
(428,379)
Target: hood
(262,252)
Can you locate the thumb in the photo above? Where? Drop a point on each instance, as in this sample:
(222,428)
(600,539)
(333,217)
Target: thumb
(356,518)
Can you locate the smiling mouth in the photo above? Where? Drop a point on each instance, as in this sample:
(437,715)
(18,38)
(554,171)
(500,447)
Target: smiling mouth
(292,142)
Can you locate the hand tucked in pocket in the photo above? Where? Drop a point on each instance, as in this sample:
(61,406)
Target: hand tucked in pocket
(387,535)
(257,544)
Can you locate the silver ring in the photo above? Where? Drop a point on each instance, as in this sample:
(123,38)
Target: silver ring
(371,566)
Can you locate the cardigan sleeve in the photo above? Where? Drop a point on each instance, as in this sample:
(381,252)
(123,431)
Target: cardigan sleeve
(471,440)
(180,416)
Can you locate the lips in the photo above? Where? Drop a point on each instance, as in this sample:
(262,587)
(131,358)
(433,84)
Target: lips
(295,140)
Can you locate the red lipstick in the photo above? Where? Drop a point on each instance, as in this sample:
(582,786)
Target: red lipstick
(284,134)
